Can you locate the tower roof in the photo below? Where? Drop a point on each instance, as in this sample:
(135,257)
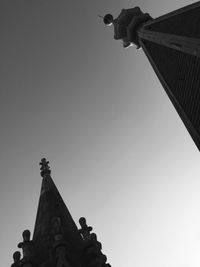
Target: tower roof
(172,44)
(52,217)
(56,241)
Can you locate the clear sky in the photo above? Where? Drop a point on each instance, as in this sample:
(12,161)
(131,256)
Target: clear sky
(119,153)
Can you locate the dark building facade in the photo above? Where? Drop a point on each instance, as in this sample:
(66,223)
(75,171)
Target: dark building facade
(56,240)
(172,45)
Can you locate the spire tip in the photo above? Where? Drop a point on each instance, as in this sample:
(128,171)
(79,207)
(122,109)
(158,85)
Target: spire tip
(45,169)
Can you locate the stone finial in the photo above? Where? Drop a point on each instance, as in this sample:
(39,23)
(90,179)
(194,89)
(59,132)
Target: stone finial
(16,259)
(26,235)
(16,256)
(127,24)
(92,247)
(45,169)
(26,245)
(93,255)
(85,230)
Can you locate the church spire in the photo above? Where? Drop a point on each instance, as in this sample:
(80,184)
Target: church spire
(54,222)
(56,241)
(172,45)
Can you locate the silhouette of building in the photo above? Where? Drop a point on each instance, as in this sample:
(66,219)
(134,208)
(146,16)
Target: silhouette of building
(56,240)
(172,45)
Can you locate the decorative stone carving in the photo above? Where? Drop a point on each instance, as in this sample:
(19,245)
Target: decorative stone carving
(45,169)
(127,24)
(26,246)
(16,258)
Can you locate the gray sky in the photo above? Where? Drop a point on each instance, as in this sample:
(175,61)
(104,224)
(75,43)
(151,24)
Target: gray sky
(119,153)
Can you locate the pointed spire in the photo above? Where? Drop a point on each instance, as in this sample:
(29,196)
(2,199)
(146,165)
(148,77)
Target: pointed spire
(54,224)
(171,42)
(56,241)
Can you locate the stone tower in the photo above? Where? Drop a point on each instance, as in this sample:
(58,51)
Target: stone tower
(172,45)
(56,240)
